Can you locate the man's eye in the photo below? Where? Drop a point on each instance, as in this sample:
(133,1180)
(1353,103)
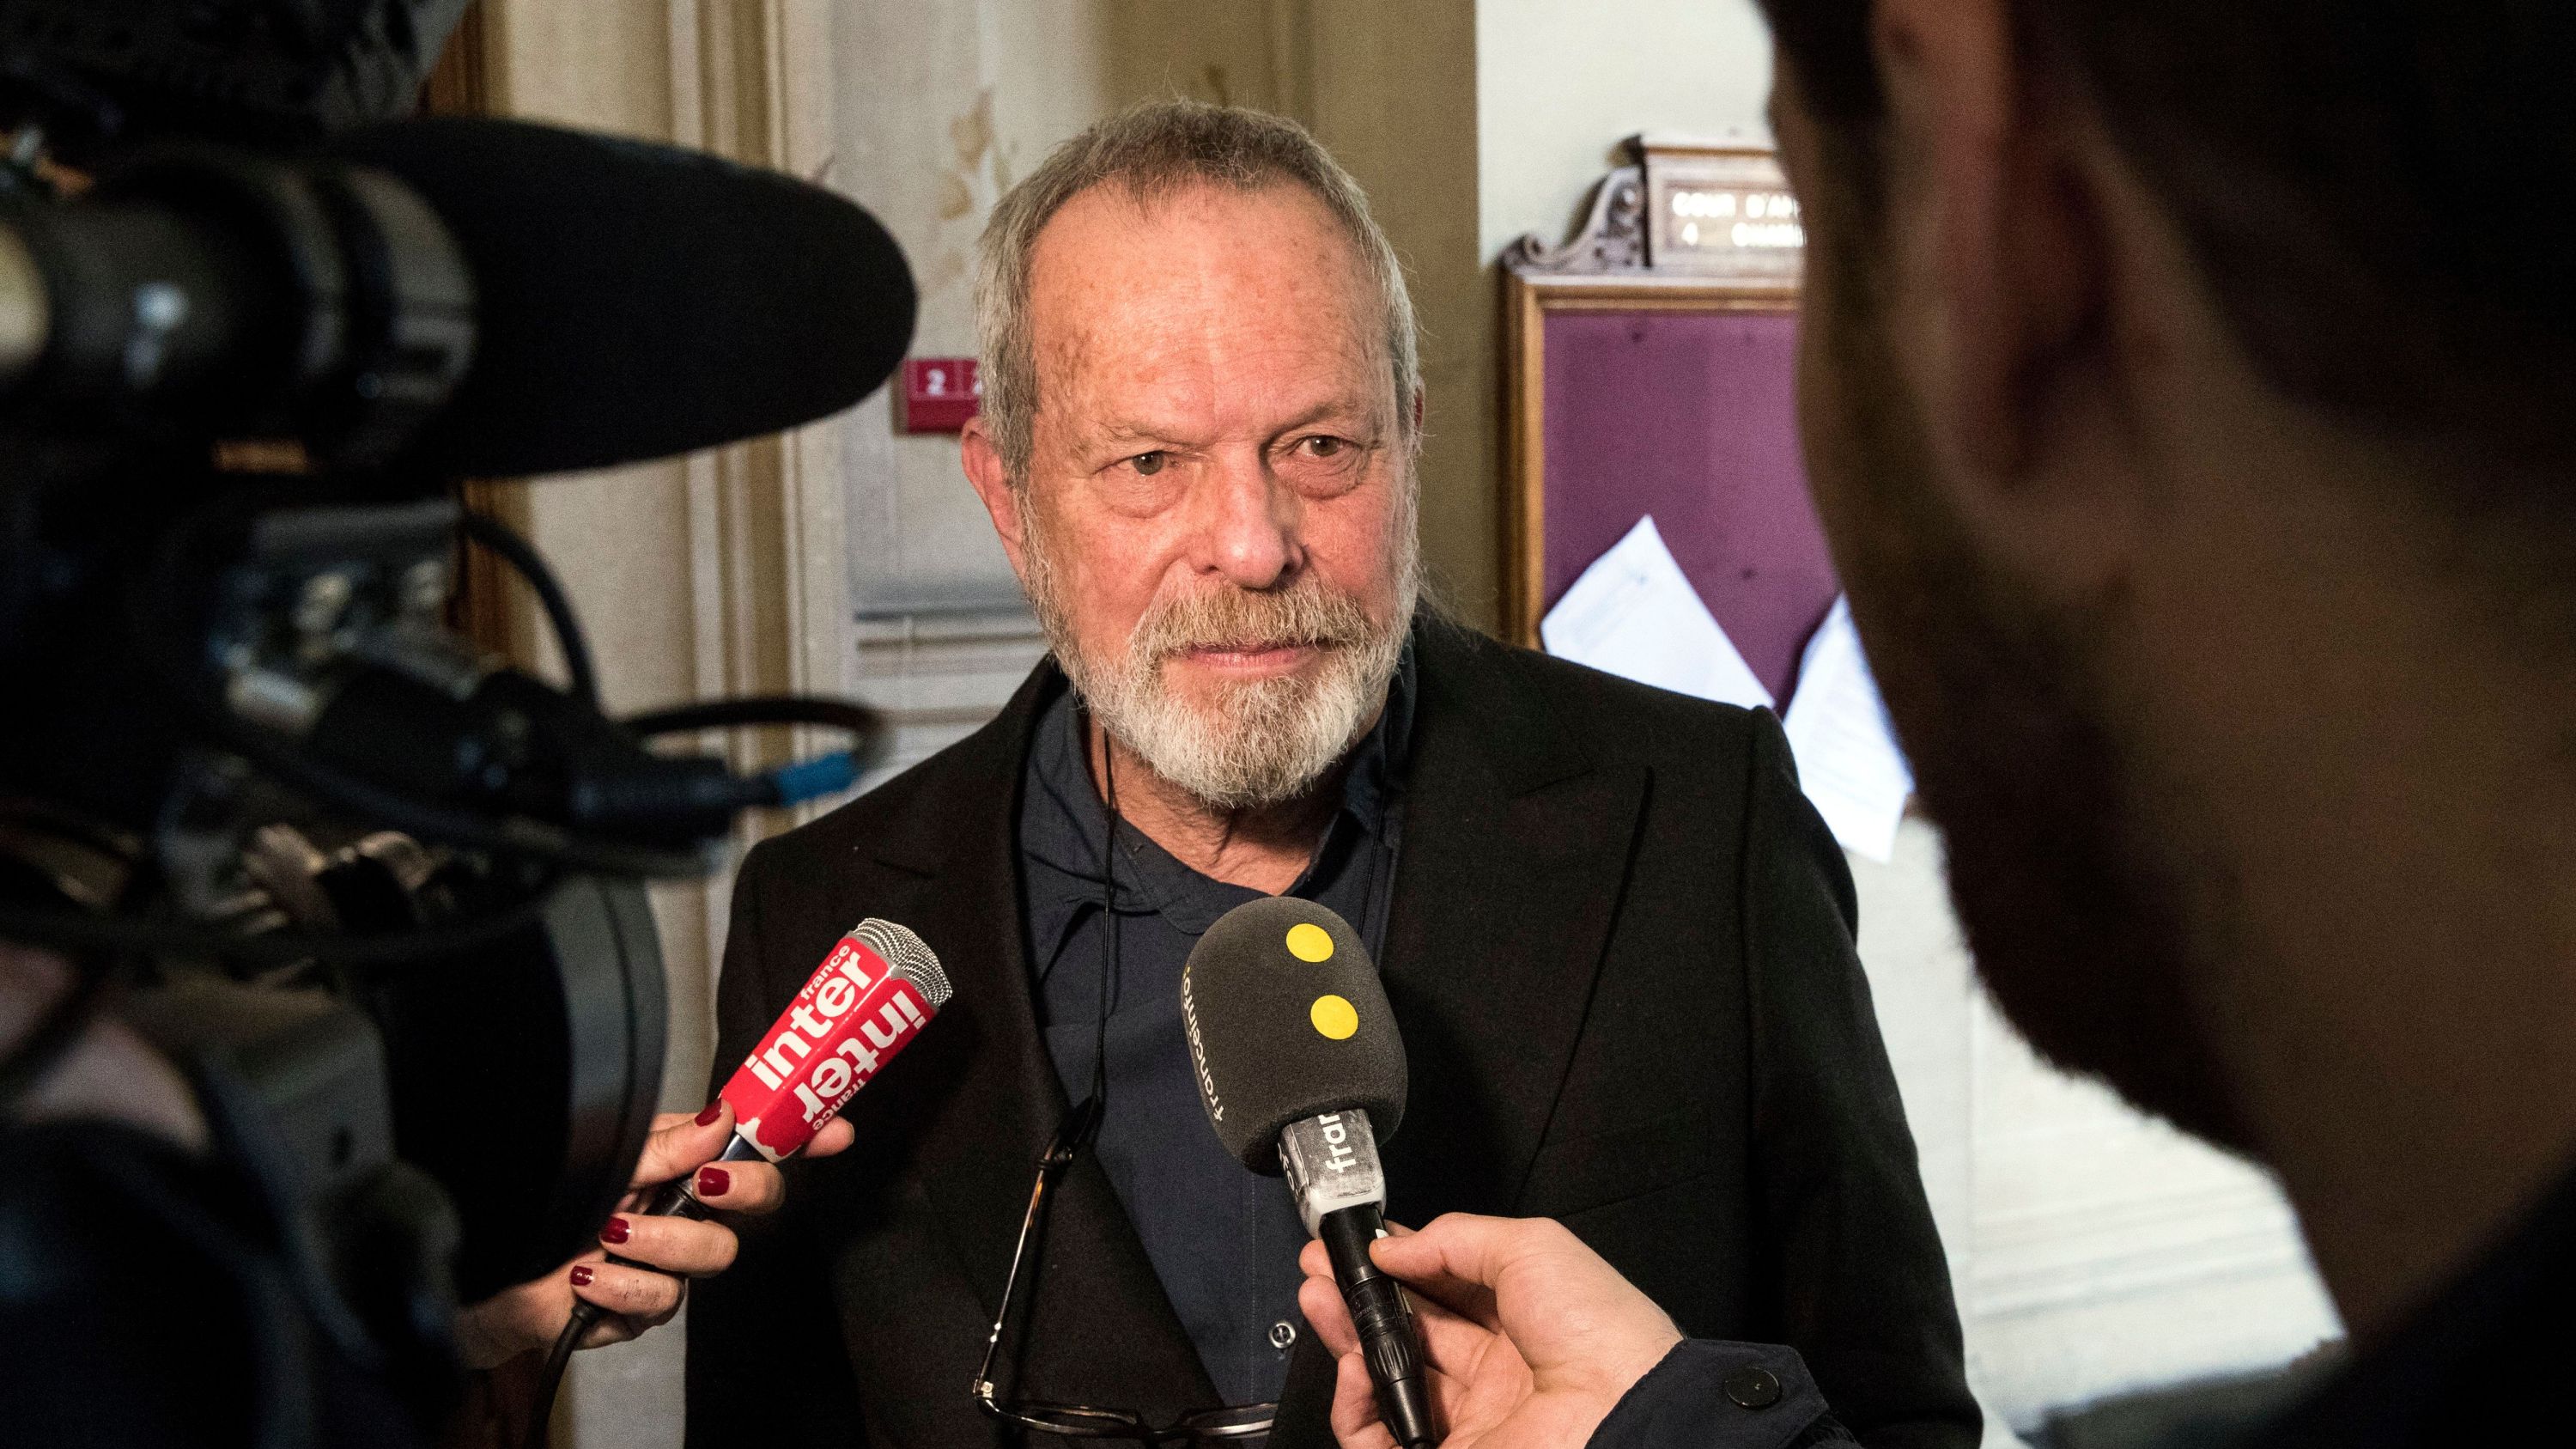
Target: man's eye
(1322,446)
(1149,464)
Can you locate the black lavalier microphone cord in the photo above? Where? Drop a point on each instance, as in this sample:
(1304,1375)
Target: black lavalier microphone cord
(1109,902)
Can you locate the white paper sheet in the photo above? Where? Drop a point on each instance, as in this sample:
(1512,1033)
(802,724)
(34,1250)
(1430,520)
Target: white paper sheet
(1848,758)
(1633,614)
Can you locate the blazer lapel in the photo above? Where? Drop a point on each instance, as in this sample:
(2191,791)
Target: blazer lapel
(1101,1331)
(1515,850)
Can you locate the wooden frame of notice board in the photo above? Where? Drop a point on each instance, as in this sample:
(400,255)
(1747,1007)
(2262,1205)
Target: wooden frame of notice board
(1689,227)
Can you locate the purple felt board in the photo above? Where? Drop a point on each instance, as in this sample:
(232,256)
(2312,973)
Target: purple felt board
(1692,417)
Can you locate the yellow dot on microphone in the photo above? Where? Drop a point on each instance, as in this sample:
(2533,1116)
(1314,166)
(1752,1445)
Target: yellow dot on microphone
(1310,942)
(1334,1016)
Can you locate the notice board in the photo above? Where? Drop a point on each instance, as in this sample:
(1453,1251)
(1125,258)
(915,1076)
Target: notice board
(1650,368)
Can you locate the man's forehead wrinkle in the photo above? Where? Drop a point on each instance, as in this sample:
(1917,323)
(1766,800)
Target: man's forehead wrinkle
(1194,391)
(1199,314)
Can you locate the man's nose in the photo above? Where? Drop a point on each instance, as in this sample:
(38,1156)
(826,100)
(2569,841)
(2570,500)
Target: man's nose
(1248,525)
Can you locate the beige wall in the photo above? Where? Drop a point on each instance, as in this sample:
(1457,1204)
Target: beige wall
(940,109)
(1559,84)
(1391,90)
(722,573)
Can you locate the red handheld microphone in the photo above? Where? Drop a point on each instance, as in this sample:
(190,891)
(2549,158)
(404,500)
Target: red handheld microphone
(862,1006)
(865,1003)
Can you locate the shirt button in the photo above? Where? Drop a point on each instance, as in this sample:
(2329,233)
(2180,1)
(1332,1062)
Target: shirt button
(1282,1334)
(1752,1386)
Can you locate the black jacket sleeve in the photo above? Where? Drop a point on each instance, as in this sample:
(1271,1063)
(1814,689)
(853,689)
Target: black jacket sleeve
(1859,1282)
(766,1365)
(1710,1395)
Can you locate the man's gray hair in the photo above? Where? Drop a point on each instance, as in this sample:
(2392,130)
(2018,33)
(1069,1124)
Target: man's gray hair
(1152,150)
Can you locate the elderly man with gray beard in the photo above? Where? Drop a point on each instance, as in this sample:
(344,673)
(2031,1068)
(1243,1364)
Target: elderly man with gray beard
(1617,940)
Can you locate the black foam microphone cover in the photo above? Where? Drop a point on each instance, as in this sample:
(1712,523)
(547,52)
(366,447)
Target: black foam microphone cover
(1286,1021)
(637,300)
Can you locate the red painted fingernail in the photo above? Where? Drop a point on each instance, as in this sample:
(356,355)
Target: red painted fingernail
(714,1110)
(712,1181)
(615,1232)
(581,1275)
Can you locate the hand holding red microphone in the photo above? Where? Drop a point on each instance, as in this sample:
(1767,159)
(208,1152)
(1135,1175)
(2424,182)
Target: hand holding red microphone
(871,996)
(681,1149)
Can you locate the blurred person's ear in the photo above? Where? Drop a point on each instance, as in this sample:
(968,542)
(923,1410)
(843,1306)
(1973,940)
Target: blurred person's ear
(992,483)
(1996,273)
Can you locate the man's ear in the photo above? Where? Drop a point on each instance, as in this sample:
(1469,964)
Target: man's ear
(1994,231)
(992,483)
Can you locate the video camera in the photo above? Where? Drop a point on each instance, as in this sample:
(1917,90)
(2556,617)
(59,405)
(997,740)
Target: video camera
(380,895)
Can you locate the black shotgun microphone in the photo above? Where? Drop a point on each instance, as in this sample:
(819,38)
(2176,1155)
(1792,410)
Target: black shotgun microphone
(1301,1070)
(454,296)
(639,300)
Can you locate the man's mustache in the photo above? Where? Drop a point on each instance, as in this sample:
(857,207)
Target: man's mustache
(1307,614)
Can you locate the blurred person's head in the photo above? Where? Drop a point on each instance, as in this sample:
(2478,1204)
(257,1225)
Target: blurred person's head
(2187,392)
(1197,441)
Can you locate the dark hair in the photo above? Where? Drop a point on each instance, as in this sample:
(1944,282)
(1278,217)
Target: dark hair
(2377,191)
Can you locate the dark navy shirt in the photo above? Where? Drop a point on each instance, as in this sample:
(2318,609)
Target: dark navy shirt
(1223,1240)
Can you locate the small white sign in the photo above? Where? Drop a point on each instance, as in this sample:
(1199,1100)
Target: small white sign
(1848,758)
(1635,615)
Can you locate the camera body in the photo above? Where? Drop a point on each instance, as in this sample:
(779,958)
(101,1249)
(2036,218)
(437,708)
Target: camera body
(379,896)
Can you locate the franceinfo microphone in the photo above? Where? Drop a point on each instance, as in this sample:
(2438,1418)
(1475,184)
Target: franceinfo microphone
(1301,1070)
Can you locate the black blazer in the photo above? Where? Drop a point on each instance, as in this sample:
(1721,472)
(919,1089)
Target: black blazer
(1620,949)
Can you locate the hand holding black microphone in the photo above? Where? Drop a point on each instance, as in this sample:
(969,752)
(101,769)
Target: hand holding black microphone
(1301,1070)
(1531,1338)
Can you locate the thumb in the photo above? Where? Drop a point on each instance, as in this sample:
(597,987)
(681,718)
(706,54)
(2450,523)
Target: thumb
(680,1143)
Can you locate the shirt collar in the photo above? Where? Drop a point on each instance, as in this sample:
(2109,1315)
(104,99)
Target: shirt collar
(1374,787)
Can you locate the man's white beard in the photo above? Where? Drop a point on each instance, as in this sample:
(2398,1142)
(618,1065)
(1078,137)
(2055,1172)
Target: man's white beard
(1253,743)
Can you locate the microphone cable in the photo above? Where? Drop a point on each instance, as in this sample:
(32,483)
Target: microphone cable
(513,549)
(673,1200)
(541,1410)
(154,605)
(796,783)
